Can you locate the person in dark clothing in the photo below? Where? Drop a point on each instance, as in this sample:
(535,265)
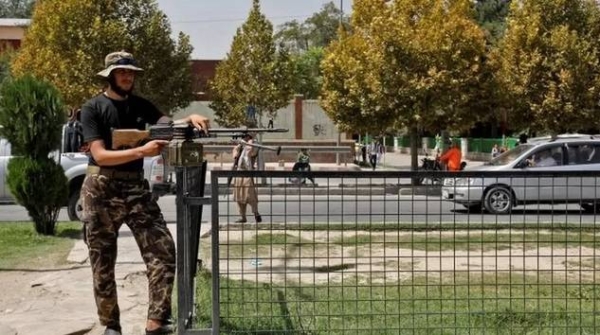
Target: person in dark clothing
(114,192)
(303,164)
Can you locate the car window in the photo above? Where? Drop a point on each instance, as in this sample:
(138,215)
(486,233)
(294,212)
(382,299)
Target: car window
(546,157)
(510,155)
(584,153)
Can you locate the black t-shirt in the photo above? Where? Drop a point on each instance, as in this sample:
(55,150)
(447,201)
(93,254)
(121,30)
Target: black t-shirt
(100,115)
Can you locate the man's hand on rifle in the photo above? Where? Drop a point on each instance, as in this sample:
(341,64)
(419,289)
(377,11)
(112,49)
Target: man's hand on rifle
(153,148)
(200,122)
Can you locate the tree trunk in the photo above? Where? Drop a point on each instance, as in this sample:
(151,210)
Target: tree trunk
(414,153)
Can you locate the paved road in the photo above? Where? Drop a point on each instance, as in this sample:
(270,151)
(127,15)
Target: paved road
(361,209)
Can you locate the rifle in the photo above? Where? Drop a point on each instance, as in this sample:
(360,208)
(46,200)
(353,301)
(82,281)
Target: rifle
(236,163)
(131,138)
(186,141)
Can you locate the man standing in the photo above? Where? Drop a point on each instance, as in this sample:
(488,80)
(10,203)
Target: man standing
(244,189)
(115,192)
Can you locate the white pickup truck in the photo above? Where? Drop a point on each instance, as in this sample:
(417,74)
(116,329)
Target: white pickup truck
(75,166)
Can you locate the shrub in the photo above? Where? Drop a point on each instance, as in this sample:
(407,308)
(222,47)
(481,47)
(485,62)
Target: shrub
(32,115)
(40,185)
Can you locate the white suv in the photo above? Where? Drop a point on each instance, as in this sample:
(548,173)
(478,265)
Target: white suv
(499,195)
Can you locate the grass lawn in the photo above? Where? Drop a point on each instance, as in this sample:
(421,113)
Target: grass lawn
(469,305)
(477,240)
(22,248)
(436,302)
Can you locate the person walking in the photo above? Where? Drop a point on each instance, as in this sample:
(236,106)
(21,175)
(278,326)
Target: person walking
(114,192)
(244,192)
(374,150)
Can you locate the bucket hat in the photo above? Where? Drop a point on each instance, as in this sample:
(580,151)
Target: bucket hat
(118,60)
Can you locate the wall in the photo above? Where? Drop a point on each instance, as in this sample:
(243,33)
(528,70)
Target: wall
(304,119)
(307,125)
(315,123)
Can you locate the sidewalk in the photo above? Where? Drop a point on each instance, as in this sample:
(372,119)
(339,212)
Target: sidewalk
(64,301)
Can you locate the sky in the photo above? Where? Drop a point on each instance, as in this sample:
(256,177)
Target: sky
(211,24)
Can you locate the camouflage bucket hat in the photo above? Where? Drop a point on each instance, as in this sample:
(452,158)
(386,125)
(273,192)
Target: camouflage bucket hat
(118,60)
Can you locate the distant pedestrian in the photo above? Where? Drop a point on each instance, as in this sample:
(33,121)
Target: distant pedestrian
(495,151)
(245,192)
(374,150)
(438,144)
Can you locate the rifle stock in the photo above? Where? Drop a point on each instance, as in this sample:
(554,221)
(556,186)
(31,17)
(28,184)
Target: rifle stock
(129,138)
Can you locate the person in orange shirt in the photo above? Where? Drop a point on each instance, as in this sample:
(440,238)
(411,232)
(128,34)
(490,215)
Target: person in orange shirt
(452,158)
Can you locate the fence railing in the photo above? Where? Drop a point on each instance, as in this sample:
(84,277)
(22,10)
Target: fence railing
(367,253)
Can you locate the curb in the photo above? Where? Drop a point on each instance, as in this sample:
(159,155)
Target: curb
(421,190)
(309,190)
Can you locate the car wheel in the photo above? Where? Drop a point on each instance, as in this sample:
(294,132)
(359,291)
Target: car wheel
(498,200)
(74,208)
(591,208)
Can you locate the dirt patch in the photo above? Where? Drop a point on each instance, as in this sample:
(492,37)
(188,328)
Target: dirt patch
(336,256)
(17,288)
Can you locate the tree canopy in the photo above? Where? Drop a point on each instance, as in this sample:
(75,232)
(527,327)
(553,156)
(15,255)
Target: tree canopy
(255,75)
(548,65)
(16,9)
(306,41)
(68,40)
(405,64)
(317,31)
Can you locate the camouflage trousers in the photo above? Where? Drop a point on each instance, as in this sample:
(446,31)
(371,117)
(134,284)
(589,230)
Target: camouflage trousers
(107,204)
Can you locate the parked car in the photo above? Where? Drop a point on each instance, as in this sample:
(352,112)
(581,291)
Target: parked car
(499,195)
(75,165)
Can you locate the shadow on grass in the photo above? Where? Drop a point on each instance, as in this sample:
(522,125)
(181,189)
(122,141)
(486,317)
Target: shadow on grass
(511,319)
(71,233)
(282,323)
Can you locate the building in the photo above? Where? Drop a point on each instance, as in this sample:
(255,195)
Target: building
(12,32)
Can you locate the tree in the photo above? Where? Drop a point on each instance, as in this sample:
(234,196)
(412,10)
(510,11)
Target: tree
(16,9)
(423,62)
(317,31)
(37,182)
(307,78)
(68,39)
(255,74)
(306,42)
(548,65)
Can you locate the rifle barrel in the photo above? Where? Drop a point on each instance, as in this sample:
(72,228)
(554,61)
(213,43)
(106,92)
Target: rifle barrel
(247,130)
